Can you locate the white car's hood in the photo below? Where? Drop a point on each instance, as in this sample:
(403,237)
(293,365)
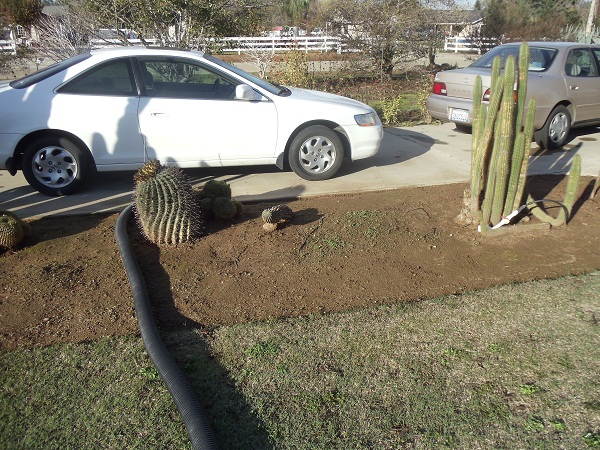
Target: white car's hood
(309,95)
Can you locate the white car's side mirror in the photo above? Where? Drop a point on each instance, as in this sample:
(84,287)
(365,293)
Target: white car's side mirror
(245,92)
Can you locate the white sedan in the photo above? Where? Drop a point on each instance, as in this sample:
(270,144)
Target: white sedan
(115,109)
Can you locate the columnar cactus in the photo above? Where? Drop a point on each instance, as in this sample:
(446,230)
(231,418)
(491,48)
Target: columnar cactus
(12,230)
(503,142)
(165,205)
(569,201)
(502,134)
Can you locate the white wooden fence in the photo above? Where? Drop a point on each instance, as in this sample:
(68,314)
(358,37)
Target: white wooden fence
(458,44)
(284,43)
(331,43)
(274,44)
(247,44)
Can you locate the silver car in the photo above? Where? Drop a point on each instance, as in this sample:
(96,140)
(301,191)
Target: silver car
(564,78)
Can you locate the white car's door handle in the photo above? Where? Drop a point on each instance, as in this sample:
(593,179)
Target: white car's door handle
(574,88)
(157,113)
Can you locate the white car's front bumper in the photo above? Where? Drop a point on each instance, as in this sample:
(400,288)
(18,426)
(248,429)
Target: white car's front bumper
(364,141)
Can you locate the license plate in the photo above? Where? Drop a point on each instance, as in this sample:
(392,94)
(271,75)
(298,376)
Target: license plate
(459,115)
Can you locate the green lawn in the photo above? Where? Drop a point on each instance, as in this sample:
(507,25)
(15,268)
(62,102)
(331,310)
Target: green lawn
(510,367)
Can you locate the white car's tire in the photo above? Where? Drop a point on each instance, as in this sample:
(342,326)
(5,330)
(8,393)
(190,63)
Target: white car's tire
(55,165)
(316,153)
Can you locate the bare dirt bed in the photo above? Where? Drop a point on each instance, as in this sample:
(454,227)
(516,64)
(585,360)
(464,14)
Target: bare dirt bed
(67,282)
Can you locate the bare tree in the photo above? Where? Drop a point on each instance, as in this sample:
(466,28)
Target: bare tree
(589,28)
(65,36)
(174,23)
(388,32)
(259,58)
(179,23)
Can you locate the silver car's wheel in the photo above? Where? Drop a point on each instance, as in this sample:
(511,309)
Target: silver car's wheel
(55,166)
(556,130)
(316,153)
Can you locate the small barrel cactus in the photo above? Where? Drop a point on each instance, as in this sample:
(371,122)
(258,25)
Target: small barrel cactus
(215,201)
(12,230)
(206,206)
(165,205)
(277,214)
(215,188)
(223,208)
(238,208)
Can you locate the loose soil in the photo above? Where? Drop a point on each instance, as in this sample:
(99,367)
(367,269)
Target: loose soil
(67,282)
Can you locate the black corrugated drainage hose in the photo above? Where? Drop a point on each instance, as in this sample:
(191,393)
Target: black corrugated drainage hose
(200,433)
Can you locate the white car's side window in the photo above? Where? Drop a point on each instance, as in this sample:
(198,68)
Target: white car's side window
(114,78)
(177,78)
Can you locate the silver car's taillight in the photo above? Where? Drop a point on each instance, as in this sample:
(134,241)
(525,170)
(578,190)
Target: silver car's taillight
(439,88)
(486,95)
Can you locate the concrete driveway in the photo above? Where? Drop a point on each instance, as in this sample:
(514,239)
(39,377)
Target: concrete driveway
(409,156)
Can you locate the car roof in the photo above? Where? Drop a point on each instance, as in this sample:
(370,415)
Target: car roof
(134,50)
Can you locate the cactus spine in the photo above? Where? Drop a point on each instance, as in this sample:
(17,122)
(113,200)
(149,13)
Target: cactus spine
(165,205)
(502,135)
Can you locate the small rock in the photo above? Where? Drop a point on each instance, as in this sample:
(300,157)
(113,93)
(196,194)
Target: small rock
(270,227)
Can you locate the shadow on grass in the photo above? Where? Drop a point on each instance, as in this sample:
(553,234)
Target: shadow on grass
(235,426)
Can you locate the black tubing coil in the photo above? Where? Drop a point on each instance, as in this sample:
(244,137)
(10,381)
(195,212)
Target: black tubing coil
(199,430)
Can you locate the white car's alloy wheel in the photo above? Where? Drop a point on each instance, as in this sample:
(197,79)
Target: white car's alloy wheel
(55,166)
(316,153)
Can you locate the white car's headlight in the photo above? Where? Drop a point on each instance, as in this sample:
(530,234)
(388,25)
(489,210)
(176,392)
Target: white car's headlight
(367,120)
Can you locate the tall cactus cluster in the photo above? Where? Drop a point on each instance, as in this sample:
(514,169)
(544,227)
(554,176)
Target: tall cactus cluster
(165,204)
(502,135)
(12,230)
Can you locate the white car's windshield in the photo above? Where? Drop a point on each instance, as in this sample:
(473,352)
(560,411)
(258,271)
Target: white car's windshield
(270,87)
(539,58)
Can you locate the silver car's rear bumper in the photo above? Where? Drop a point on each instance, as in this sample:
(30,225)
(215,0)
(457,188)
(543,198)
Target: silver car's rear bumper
(441,107)
(450,108)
